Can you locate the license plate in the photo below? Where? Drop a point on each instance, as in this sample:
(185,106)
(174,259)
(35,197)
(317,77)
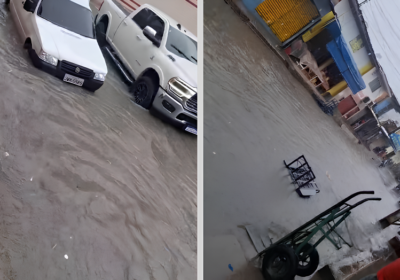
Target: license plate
(73,80)
(191,130)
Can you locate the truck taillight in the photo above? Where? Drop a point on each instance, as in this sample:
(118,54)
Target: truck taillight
(101,5)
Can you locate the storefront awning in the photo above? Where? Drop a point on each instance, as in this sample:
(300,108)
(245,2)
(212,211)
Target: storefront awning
(346,64)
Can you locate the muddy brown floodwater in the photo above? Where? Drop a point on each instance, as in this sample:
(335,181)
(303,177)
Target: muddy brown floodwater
(91,185)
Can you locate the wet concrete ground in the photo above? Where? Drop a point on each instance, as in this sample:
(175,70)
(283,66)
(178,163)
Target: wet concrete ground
(257,115)
(90,176)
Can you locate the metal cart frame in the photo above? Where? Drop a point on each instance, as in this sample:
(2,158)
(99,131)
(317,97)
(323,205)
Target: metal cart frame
(331,218)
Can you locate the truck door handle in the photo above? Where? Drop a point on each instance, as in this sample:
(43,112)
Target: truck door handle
(140,38)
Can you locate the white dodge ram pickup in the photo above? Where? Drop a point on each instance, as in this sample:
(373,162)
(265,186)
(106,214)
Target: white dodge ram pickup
(60,38)
(157,56)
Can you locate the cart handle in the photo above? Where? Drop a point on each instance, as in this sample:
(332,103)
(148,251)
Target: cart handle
(357,204)
(328,211)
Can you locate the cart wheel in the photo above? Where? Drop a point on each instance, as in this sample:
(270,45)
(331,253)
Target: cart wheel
(279,263)
(310,264)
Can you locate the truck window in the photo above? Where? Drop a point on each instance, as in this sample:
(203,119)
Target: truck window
(147,17)
(181,45)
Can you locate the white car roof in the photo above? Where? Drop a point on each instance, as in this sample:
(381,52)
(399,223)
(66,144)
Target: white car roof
(84,3)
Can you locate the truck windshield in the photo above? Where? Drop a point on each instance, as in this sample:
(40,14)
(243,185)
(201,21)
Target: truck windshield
(68,15)
(182,45)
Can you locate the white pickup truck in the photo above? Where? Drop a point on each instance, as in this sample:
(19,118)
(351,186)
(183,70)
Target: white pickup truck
(157,56)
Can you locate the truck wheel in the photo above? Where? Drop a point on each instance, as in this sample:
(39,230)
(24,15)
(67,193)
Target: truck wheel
(279,263)
(101,34)
(310,264)
(143,91)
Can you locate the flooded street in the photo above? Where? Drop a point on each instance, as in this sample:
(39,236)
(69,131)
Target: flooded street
(91,185)
(257,115)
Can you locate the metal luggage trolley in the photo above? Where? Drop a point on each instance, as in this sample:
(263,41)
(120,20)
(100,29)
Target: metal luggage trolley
(294,254)
(303,176)
(327,107)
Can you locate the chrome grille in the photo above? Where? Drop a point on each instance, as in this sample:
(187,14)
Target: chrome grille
(191,104)
(70,68)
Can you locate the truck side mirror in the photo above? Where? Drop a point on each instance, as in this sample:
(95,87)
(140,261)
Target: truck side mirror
(30,5)
(150,34)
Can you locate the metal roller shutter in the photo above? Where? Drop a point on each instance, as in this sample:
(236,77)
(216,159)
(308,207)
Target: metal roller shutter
(287,17)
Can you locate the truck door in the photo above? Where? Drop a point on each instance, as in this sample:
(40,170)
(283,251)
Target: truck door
(133,47)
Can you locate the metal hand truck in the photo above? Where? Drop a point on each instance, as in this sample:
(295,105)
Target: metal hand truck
(294,254)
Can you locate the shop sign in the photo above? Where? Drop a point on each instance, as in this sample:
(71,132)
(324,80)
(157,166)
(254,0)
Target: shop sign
(356,44)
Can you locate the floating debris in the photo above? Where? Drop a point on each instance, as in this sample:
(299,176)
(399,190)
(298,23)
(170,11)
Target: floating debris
(327,175)
(66,256)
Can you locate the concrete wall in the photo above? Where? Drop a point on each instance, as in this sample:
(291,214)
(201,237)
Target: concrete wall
(350,31)
(369,77)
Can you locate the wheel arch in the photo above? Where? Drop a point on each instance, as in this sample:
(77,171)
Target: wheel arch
(31,44)
(155,72)
(106,19)
(152,74)
(28,43)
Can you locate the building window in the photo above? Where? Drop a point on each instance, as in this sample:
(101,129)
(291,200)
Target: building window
(375,84)
(356,44)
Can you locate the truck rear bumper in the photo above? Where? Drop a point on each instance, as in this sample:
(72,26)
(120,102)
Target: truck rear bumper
(167,108)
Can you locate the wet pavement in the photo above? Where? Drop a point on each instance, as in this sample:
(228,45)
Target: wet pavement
(91,185)
(257,115)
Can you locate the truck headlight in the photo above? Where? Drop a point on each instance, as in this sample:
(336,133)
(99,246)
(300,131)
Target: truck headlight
(48,58)
(180,89)
(99,77)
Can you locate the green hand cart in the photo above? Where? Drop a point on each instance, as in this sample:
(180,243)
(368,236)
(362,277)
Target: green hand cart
(294,254)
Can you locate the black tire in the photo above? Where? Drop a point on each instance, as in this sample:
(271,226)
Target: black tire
(310,265)
(7,2)
(143,90)
(279,263)
(101,33)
